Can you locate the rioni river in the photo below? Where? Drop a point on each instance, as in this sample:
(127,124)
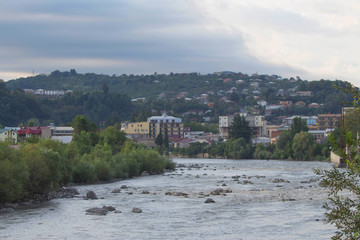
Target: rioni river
(261,205)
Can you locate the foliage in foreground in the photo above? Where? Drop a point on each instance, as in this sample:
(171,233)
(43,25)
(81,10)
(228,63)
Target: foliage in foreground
(343,208)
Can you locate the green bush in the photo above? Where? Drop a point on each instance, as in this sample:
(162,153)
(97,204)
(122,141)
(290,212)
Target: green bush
(84,172)
(13,174)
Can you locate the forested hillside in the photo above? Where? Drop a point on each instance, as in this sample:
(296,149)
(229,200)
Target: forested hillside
(106,99)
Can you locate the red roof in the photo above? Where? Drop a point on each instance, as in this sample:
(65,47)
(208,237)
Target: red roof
(31,130)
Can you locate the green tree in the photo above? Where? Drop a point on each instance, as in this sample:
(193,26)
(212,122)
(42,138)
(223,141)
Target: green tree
(343,210)
(240,128)
(166,139)
(297,126)
(302,146)
(159,140)
(81,123)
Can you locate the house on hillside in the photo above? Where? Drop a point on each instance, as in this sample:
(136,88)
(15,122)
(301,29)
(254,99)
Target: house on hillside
(8,135)
(27,132)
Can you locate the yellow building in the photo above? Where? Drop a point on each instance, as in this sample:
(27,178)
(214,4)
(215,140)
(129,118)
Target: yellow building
(136,129)
(8,135)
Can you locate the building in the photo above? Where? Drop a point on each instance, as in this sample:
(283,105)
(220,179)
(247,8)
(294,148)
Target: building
(61,131)
(224,126)
(8,135)
(26,132)
(174,126)
(136,129)
(314,105)
(286,103)
(310,121)
(257,124)
(300,104)
(325,121)
(318,135)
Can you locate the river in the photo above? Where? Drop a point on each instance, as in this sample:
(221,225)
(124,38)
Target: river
(260,205)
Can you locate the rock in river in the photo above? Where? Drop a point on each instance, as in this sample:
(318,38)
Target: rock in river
(90,195)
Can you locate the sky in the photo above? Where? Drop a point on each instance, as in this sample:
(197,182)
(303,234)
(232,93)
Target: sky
(313,39)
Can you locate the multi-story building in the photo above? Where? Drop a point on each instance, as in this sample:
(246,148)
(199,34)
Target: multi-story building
(136,129)
(325,121)
(257,124)
(174,126)
(224,125)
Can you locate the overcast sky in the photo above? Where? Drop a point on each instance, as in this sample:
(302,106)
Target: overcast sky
(313,39)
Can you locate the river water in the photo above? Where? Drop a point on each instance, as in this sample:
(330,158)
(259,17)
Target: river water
(257,208)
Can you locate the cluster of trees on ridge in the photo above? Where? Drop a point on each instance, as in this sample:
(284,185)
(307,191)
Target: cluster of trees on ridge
(39,166)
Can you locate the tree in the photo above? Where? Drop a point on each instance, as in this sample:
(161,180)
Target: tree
(297,126)
(81,123)
(159,139)
(166,139)
(344,210)
(240,128)
(302,145)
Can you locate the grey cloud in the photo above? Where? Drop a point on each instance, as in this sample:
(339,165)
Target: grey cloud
(166,36)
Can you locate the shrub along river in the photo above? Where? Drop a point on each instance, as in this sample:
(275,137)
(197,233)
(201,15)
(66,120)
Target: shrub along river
(252,199)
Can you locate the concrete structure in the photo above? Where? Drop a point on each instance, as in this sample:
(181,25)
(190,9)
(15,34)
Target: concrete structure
(157,124)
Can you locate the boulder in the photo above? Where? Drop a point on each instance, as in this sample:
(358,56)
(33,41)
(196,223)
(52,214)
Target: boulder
(217,191)
(145,173)
(209,200)
(124,187)
(116,190)
(90,195)
(100,211)
(136,210)
(109,208)
(96,211)
(278,180)
(145,192)
(228,190)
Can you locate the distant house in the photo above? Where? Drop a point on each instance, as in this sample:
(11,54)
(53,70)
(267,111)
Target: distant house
(8,135)
(227,80)
(238,82)
(26,132)
(286,103)
(262,103)
(300,104)
(314,105)
(325,121)
(302,94)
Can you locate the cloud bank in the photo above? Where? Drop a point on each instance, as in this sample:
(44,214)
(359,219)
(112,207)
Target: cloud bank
(317,39)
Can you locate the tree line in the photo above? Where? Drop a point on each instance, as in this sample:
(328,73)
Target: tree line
(40,166)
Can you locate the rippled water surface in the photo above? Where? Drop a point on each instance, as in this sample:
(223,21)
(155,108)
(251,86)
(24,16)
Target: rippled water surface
(256,209)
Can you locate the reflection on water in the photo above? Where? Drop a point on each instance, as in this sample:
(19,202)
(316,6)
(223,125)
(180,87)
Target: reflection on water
(269,200)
